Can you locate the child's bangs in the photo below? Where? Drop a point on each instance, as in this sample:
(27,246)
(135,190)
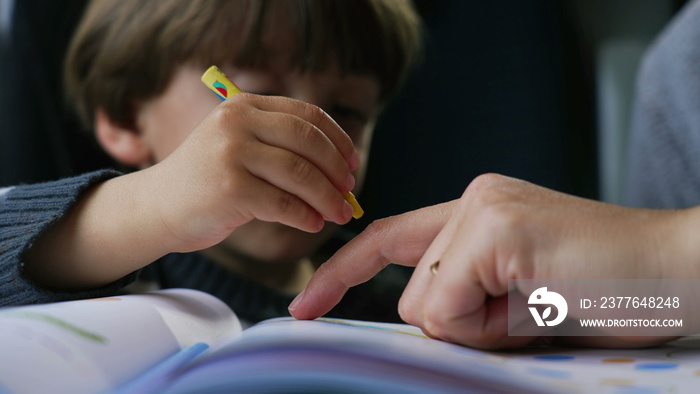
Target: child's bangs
(344,30)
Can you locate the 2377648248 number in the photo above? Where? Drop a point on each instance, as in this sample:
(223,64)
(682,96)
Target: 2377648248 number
(639,302)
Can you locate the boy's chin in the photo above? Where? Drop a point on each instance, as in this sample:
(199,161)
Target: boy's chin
(275,242)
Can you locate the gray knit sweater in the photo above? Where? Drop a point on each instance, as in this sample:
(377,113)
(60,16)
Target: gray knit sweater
(664,150)
(25,211)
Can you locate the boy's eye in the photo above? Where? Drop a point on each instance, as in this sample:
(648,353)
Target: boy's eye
(341,112)
(351,119)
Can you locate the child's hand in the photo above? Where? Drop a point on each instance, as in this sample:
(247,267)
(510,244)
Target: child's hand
(500,229)
(255,157)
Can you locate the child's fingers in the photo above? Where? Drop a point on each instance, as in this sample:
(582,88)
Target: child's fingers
(296,175)
(271,204)
(310,113)
(306,140)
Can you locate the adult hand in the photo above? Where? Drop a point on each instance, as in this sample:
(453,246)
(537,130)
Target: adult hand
(500,229)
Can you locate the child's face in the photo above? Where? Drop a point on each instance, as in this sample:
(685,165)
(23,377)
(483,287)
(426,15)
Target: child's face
(352,100)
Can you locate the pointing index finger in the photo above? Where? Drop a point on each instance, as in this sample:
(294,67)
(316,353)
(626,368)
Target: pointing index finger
(338,274)
(399,239)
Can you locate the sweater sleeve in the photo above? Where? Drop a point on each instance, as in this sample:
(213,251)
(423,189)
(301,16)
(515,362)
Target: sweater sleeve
(25,212)
(664,147)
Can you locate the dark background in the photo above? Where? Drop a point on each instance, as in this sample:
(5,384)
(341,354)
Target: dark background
(504,87)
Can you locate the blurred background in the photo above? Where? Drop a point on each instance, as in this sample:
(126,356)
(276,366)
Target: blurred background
(535,89)
(539,89)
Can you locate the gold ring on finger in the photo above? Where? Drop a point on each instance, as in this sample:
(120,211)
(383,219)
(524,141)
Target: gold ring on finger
(434,267)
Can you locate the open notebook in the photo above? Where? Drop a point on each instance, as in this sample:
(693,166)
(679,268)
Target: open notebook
(185,341)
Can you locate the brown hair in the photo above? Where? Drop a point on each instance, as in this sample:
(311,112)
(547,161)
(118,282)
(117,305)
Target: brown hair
(125,51)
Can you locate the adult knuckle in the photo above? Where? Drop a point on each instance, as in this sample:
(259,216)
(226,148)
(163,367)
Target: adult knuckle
(501,218)
(484,181)
(378,229)
(495,192)
(485,192)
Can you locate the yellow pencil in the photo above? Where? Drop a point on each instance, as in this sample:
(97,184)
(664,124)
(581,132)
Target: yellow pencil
(219,83)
